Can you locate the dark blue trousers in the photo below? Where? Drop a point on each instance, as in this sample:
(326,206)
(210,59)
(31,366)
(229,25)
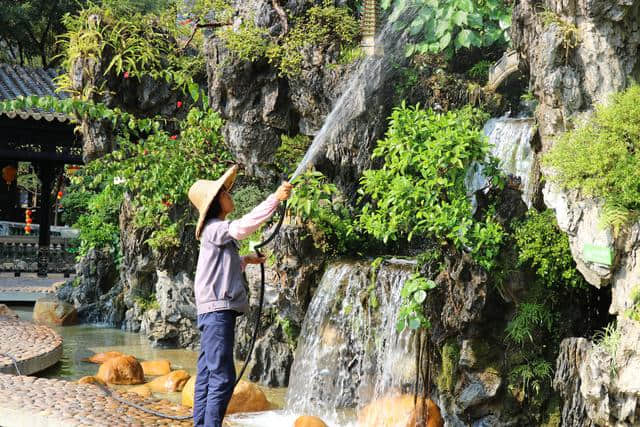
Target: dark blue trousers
(216,371)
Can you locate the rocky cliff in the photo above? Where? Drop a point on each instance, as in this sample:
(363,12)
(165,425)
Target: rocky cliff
(578,52)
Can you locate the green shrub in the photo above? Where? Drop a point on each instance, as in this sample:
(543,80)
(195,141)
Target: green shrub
(601,157)
(545,248)
(480,70)
(321,206)
(529,319)
(450,25)
(145,304)
(290,152)
(532,376)
(420,189)
(414,293)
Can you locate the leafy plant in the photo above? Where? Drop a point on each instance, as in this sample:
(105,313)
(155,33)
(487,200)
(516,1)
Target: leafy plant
(608,340)
(529,318)
(601,157)
(320,205)
(420,189)
(290,152)
(569,32)
(145,304)
(480,70)
(320,26)
(545,248)
(414,293)
(450,25)
(633,312)
(532,376)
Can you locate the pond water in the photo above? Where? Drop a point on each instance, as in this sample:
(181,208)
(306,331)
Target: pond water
(82,341)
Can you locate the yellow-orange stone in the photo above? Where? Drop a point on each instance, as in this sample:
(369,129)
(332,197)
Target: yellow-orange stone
(90,380)
(247,397)
(188,391)
(398,411)
(173,381)
(156,367)
(141,390)
(121,370)
(309,421)
(103,357)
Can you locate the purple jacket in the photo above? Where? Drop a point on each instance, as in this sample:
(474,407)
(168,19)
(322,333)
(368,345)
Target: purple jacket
(219,284)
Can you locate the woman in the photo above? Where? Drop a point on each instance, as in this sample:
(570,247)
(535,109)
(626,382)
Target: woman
(219,288)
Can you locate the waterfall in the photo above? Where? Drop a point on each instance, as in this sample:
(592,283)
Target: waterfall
(349,352)
(510,140)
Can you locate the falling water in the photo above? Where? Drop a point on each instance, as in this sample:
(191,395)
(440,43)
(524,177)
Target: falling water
(368,77)
(510,140)
(349,352)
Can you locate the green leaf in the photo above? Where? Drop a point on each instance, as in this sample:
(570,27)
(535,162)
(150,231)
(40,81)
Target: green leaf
(419,296)
(505,22)
(464,38)
(444,41)
(460,18)
(194,91)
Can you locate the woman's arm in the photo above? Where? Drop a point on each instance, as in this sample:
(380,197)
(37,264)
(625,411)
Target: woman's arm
(242,228)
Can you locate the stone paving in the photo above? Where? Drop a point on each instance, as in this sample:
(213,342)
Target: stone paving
(35,401)
(35,347)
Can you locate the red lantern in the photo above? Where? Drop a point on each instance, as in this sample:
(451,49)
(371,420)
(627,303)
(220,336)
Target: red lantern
(179,104)
(28,212)
(28,220)
(59,195)
(27,229)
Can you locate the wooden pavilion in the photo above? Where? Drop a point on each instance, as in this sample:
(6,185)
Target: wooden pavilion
(43,138)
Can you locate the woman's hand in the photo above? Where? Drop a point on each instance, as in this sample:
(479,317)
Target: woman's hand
(284,191)
(252,259)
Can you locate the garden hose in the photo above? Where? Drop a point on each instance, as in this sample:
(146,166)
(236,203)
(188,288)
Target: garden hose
(256,248)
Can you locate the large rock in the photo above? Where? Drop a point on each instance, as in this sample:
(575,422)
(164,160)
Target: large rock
(247,397)
(188,392)
(95,291)
(156,367)
(100,358)
(174,381)
(399,411)
(121,370)
(7,312)
(309,421)
(580,219)
(481,388)
(51,311)
(567,381)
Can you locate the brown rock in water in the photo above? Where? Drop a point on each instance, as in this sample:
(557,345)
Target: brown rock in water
(7,312)
(100,358)
(121,370)
(156,367)
(398,411)
(174,381)
(188,391)
(247,397)
(141,390)
(51,311)
(90,380)
(309,421)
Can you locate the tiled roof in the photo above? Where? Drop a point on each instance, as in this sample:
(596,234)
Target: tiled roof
(23,81)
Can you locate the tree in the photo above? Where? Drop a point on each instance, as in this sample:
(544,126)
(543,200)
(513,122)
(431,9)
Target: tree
(28,30)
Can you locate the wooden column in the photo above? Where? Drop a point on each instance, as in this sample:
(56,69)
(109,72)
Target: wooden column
(46,174)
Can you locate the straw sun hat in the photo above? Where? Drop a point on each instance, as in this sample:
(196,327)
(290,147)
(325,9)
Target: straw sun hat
(203,191)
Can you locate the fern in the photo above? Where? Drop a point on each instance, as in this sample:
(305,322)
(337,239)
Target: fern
(616,215)
(529,317)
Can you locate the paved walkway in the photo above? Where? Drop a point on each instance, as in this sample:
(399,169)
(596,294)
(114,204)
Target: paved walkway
(35,347)
(28,287)
(31,401)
